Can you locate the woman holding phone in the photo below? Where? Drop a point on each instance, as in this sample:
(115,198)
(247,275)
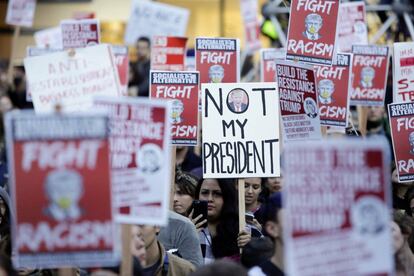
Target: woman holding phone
(221,237)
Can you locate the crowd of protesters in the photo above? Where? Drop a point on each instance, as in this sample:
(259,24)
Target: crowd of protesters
(192,244)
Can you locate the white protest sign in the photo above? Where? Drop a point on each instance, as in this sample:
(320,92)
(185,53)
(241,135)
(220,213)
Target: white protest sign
(403,72)
(71,80)
(21,12)
(153,18)
(233,146)
(336,219)
(50,37)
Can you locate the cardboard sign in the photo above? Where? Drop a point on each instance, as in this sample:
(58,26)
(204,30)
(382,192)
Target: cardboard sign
(140,156)
(251,25)
(182,88)
(59,168)
(403,72)
(268,59)
(401,116)
(334,82)
(218,59)
(168,53)
(150,18)
(122,64)
(80,33)
(71,81)
(21,12)
(232,144)
(352,26)
(51,37)
(369,70)
(336,219)
(298,101)
(312,31)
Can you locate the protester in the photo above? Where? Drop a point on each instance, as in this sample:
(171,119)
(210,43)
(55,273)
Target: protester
(274,184)
(221,238)
(221,268)
(186,159)
(158,262)
(257,251)
(272,228)
(5,223)
(184,192)
(141,68)
(180,237)
(253,188)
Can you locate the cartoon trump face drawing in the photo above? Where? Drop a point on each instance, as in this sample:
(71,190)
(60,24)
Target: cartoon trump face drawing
(326,88)
(411,141)
(64,189)
(177,110)
(313,23)
(216,73)
(367,76)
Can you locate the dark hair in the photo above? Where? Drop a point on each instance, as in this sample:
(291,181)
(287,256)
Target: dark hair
(144,39)
(186,182)
(257,251)
(225,242)
(270,209)
(6,265)
(406,224)
(220,267)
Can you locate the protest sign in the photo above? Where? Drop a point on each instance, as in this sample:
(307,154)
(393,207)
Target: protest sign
(168,53)
(50,37)
(268,59)
(403,72)
(140,155)
(71,80)
(80,33)
(182,88)
(21,12)
(232,144)
(298,101)
(334,83)
(336,219)
(122,64)
(352,27)
(218,59)
(370,71)
(312,31)
(150,18)
(251,25)
(59,168)
(401,116)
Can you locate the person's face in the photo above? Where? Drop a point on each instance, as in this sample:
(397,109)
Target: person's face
(325,91)
(375,113)
(66,192)
(148,234)
(211,192)
(313,26)
(252,190)
(182,201)
(138,245)
(216,76)
(143,50)
(311,108)
(237,98)
(274,184)
(397,236)
(176,111)
(367,76)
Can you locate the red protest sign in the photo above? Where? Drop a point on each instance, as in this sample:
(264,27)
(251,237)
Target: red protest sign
(334,83)
(312,31)
(352,28)
(80,33)
(336,219)
(21,12)
(168,53)
(268,63)
(122,64)
(298,101)
(182,88)
(140,158)
(401,116)
(217,59)
(369,70)
(59,168)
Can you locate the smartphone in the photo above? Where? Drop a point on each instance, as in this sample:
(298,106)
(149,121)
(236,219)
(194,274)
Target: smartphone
(200,208)
(249,218)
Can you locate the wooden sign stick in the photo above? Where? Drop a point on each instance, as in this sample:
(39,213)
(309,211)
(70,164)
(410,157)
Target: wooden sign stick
(173,164)
(242,206)
(362,119)
(126,263)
